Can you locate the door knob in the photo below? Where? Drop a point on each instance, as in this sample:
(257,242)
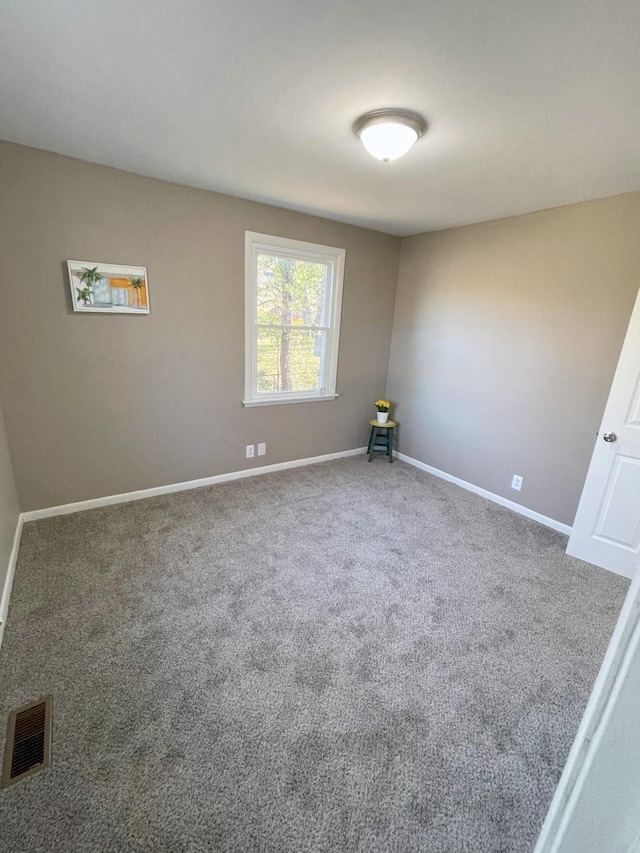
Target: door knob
(610,436)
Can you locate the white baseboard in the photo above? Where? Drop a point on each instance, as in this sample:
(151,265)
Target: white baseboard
(80,506)
(11,570)
(498,499)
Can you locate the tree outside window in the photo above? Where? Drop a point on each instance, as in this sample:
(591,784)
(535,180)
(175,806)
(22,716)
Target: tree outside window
(293,320)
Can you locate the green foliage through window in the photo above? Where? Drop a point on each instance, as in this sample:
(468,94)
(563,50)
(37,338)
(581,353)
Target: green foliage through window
(291,308)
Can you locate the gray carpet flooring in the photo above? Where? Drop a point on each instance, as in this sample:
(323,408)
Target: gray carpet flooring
(345,657)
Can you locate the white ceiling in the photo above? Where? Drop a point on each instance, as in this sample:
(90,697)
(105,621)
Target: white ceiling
(531,103)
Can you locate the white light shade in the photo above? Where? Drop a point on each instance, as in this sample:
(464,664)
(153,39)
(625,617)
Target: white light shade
(389,134)
(388,141)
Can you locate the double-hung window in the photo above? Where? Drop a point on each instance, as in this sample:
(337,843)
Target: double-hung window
(292,302)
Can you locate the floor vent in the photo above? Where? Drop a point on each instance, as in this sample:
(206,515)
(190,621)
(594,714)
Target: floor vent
(28,745)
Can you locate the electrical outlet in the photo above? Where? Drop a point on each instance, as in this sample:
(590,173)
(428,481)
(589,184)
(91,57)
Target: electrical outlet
(250,451)
(262,448)
(516,483)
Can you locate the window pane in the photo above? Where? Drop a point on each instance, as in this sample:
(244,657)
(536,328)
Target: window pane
(290,360)
(291,292)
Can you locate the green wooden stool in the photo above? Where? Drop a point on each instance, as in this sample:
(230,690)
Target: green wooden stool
(381,439)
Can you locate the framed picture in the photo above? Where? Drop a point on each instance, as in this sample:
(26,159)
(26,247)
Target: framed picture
(108,288)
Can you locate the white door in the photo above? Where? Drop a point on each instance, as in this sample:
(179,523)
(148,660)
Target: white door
(607,526)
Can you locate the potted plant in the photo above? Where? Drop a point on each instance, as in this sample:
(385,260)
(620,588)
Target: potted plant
(383,407)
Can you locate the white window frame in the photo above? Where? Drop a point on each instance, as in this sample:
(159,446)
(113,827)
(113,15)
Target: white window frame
(298,250)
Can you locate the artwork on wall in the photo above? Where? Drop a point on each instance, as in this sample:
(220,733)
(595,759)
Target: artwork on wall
(108,288)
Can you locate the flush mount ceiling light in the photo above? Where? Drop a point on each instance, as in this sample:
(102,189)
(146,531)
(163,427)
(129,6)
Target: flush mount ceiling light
(389,134)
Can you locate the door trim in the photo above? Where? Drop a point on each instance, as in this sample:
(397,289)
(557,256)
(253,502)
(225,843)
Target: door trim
(622,653)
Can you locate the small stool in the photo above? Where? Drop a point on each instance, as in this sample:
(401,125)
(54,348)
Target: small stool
(381,439)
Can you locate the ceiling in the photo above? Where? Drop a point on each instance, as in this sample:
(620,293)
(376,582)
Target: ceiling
(530,104)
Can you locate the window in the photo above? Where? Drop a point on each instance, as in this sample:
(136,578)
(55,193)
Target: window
(292,302)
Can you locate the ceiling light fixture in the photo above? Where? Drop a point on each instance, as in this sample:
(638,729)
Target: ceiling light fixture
(389,134)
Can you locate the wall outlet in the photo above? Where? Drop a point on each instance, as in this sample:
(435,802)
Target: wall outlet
(250,451)
(516,483)
(262,448)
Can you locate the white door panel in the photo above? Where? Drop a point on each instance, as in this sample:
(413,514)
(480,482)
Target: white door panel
(633,416)
(606,530)
(619,518)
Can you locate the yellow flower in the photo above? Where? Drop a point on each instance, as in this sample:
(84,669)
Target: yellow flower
(382,405)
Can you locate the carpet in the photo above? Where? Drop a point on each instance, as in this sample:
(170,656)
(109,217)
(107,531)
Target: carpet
(347,657)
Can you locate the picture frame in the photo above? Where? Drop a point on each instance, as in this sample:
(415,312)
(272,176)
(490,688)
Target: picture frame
(98,288)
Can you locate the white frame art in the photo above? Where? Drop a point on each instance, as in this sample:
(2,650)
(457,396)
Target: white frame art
(93,290)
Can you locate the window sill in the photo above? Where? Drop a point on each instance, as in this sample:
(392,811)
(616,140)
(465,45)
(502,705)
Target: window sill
(248,404)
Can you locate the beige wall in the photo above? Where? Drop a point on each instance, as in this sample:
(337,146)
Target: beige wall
(9,510)
(98,404)
(506,337)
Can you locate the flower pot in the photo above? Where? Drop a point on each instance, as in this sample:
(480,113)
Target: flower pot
(382,417)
